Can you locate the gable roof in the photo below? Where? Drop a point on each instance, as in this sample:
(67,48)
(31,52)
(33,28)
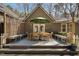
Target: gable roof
(4,8)
(67,20)
(50,16)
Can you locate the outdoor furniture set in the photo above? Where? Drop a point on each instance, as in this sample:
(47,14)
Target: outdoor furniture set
(40,36)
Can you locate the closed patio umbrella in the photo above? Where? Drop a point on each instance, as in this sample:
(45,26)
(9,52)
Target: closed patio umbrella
(40,20)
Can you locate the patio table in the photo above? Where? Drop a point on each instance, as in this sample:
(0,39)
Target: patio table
(40,36)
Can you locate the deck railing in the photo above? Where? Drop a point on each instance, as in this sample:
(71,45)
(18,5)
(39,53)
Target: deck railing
(62,39)
(16,38)
(3,38)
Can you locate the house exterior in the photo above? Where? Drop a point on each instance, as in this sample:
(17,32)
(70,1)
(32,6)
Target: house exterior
(40,12)
(61,25)
(11,24)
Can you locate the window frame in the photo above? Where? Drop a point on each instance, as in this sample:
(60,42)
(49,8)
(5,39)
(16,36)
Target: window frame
(62,27)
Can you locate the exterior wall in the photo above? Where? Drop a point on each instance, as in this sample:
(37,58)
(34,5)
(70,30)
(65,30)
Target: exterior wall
(77,28)
(13,26)
(28,27)
(58,26)
(20,28)
(7,25)
(1,24)
(53,27)
(50,27)
(1,28)
(68,27)
(0,41)
(1,17)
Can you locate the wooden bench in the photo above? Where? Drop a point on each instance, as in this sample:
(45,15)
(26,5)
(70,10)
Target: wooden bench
(61,38)
(16,38)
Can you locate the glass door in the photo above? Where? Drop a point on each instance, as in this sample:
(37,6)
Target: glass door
(38,27)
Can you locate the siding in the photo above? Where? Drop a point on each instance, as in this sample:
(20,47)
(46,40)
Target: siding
(54,27)
(77,28)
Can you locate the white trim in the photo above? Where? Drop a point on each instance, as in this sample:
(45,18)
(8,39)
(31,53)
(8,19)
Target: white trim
(43,29)
(65,28)
(35,29)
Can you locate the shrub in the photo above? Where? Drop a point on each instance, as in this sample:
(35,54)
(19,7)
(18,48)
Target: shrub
(63,33)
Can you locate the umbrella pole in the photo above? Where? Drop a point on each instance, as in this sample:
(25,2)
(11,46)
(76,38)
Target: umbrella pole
(39,32)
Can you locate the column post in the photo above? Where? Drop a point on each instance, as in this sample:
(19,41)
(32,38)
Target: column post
(5,28)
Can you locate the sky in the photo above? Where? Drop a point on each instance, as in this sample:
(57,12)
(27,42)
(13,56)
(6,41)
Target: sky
(31,7)
(14,6)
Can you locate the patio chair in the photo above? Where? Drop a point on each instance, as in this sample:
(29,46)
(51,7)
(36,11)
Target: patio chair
(45,36)
(35,36)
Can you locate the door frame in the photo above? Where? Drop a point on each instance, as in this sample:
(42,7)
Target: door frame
(38,27)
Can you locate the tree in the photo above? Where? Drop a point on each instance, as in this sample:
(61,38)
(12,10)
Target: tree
(9,7)
(77,10)
(50,8)
(72,8)
(57,9)
(27,7)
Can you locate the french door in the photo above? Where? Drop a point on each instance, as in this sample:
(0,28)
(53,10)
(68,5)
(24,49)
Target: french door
(38,27)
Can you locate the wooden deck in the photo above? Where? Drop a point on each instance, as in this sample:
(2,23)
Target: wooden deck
(37,50)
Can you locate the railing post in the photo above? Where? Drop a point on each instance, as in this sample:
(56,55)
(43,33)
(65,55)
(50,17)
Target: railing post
(77,40)
(1,41)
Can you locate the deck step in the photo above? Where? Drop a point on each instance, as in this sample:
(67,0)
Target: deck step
(37,52)
(34,47)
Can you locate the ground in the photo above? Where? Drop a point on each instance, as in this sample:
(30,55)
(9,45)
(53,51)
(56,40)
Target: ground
(30,42)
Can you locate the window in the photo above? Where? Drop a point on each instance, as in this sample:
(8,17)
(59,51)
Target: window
(70,27)
(63,27)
